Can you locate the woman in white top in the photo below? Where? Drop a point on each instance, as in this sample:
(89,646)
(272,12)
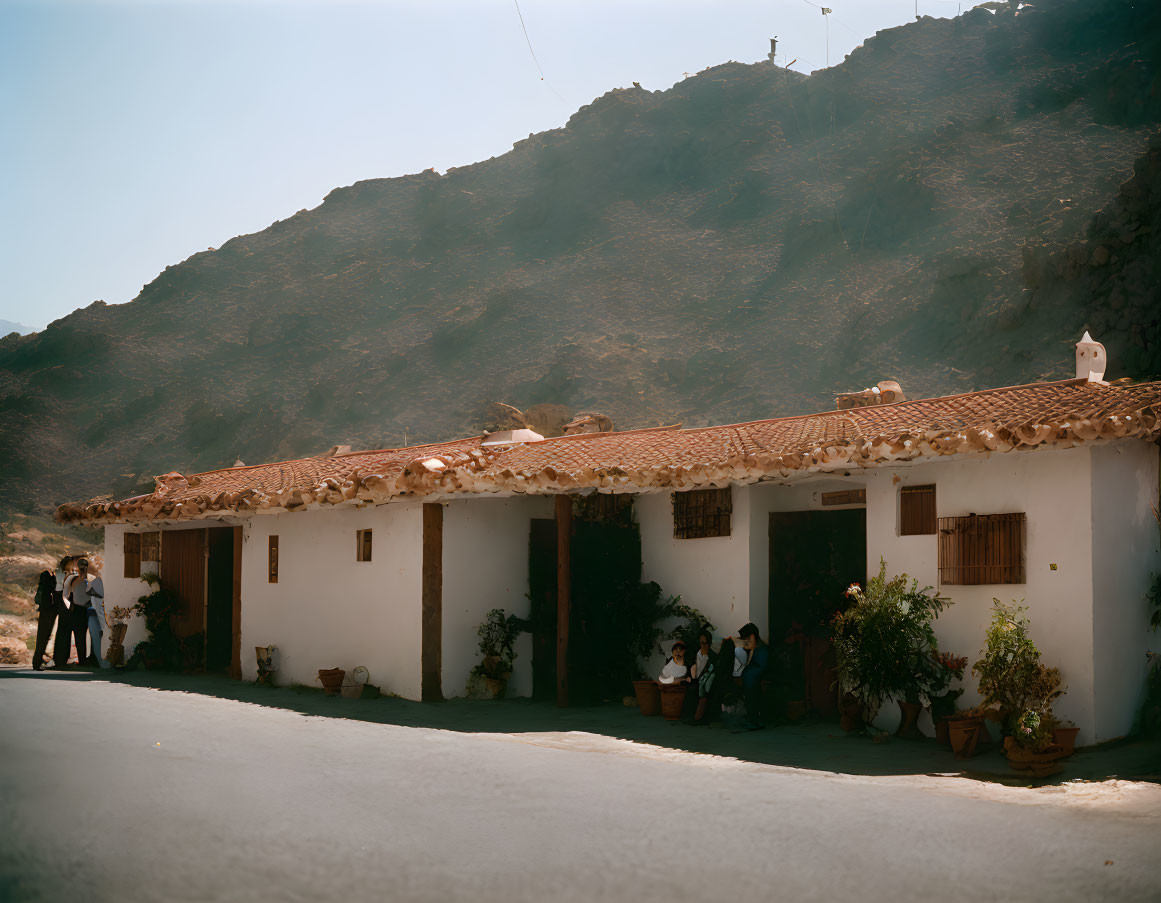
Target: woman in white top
(88,592)
(675,669)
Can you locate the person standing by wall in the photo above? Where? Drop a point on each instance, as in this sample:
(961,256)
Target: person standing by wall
(49,611)
(91,568)
(752,674)
(64,624)
(88,597)
(78,601)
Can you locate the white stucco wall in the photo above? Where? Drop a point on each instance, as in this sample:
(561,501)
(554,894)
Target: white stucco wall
(485,566)
(1125,554)
(329,611)
(123,591)
(711,574)
(1053,489)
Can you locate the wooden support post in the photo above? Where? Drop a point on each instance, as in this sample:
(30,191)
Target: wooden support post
(563,593)
(236,617)
(431,655)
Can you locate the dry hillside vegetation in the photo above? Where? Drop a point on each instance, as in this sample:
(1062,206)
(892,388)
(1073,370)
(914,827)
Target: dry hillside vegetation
(740,246)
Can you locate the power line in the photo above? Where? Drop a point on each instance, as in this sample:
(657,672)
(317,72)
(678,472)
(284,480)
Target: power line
(528,39)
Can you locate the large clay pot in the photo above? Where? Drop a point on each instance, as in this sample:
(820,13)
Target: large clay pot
(941,732)
(672,700)
(1039,763)
(1065,738)
(964,735)
(332,680)
(648,696)
(497,686)
(117,637)
(908,721)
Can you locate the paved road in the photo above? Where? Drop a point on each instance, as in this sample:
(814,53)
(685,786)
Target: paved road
(117,792)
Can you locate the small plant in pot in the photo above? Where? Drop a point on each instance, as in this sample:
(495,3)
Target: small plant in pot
(1012,679)
(884,643)
(949,668)
(498,633)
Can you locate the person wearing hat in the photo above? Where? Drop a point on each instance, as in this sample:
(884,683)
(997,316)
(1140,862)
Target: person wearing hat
(756,663)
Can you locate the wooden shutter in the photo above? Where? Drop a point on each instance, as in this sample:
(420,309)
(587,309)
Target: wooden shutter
(132,554)
(183,570)
(982,549)
(917,511)
(702,513)
(151,546)
(272,560)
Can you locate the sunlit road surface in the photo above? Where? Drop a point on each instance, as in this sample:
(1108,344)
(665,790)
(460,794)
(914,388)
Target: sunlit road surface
(115,792)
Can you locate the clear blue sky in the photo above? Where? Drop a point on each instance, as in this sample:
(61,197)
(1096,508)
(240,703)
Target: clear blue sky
(136,133)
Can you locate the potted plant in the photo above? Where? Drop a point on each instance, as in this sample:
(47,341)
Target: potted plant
(498,633)
(332,680)
(265,661)
(118,621)
(1012,680)
(1064,736)
(965,730)
(884,643)
(943,697)
(162,647)
(1029,747)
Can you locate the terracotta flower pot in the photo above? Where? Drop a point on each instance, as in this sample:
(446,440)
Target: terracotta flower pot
(648,696)
(332,680)
(1039,763)
(964,735)
(1065,738)
(908,721)
(672,700)
(497,686)
(941,732)
(117,637)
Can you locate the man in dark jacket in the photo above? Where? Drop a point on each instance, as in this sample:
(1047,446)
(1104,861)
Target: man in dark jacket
(50,609)
(752,674)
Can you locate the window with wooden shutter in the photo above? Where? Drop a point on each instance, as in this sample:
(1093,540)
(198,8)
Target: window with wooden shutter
(272,560)
(917,511)
(151,546)
(362,545)
(845,497)
(132,554)
(982,549)
(702,513)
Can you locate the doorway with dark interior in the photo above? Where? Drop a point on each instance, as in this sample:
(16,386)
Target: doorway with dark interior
(606,589)
(220,598)
(814,556)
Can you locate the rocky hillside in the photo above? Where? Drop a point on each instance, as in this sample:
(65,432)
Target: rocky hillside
(742,245)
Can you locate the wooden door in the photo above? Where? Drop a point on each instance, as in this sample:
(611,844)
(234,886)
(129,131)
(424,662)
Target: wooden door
(183,570)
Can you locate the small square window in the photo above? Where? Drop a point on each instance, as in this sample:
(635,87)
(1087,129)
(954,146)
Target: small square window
(272,561)
(362,545)
(151,547)
(917,511)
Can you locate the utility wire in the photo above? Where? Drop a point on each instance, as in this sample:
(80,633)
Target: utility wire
(528,40)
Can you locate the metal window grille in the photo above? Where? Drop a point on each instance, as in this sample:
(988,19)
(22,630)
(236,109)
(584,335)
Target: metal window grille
(362,545)
(917,511)
(701,513)
(273,560)
(982,549)
(845,497)
(132,554)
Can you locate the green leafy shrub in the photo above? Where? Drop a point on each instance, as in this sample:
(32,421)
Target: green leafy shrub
(162,648)
(498,635)
(884,643)
(1012,680)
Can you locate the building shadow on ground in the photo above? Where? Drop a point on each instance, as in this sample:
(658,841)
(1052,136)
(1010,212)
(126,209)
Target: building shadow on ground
(814,744)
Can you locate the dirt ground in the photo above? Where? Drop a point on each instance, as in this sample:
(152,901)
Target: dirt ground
(139,790)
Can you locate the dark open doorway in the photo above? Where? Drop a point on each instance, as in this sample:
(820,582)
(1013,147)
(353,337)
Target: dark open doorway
(814,557)
(605,551)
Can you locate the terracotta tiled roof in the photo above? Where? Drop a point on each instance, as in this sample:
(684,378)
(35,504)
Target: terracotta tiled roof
(1058,414)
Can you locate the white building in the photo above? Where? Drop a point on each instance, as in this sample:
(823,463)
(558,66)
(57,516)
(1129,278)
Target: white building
(390,559)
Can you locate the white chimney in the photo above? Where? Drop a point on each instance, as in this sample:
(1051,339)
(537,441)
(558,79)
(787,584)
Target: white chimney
(1091,360)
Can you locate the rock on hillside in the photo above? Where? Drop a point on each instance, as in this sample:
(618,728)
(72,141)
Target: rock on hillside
(740,246)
